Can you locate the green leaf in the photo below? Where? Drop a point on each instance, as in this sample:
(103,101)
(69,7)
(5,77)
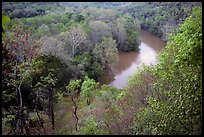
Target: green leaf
(5,19)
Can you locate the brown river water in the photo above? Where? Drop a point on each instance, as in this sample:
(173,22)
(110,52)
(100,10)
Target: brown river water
(129,62)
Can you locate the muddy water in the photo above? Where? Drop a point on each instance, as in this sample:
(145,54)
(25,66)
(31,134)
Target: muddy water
(129,62)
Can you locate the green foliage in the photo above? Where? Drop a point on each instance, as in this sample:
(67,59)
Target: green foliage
(175,107)
(65,18)
(133,42)
(161,18)
(54,24)
(43,30)
(77,47)
(91,127)
(74,86)
(125,32)
(109,94)
(5,19)
(83,62)
(106,52)
(87,89)
(77,17)
(29,9)
(88,66)
(46,87)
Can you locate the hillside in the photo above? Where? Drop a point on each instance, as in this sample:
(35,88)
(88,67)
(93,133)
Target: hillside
(161,18)
(54,53)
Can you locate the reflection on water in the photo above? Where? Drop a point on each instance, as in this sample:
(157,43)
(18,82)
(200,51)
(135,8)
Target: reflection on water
(125,61)
(147,55)
(130,61)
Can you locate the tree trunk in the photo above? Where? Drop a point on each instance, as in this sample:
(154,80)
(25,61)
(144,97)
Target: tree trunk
(88,101)
(50,108)
(20,111)
(40,120)
(21,115)
(75,113)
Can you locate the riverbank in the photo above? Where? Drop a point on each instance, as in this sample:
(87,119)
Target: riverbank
(129,62)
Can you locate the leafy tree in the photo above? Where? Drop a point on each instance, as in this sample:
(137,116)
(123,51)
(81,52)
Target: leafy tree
(18,52)
(87,89)
(5,19)
(52,46)
(65,18)
(77,17)
(106,52)
(46,88)
(175,106)
(73,90)
(28,9)
(154,15)
(120,33)
(91,127)
(42,31)
(133,35)
(125,33)
(83,62)
(98,30)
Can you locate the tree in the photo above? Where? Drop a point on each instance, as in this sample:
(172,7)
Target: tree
(125,33)
(5,19)
(175,104)
(45,88)
(73,89)
(65,18)
(87,89)
(154,16)
(74,40)
(106,52)
(18,52)
(98,30)
(52,46)
(91,127)
(120,33)
(77,17)
(42,31)
(132,26)
(77,38)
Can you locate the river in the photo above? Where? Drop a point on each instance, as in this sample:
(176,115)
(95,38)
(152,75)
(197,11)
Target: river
(129,62)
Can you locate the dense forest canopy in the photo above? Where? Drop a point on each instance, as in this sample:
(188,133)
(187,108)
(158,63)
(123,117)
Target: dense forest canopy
(54,52)
(161,18)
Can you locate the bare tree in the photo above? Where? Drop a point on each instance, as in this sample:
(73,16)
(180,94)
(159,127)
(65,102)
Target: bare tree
(74,40)
(76,37)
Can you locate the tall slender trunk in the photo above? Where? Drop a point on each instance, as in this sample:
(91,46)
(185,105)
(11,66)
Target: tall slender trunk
(75,113)
(20,111)
(39,118)
(73,50)
(53,118)
(108,127)
(21,115)
(20,100)
(88,101)
(50,108)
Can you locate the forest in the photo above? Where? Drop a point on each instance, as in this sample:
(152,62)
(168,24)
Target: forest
(54,54)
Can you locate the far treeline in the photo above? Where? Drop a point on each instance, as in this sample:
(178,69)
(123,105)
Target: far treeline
(160,18)
(51,62)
